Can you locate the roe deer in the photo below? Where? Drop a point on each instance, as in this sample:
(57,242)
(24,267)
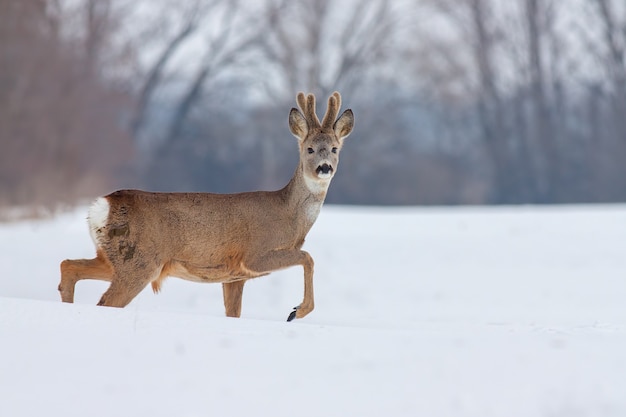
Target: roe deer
(143,237)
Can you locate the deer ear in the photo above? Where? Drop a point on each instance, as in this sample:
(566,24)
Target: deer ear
(298,124)
(343,126)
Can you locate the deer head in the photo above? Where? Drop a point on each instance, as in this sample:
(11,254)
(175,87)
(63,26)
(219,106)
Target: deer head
(319,143)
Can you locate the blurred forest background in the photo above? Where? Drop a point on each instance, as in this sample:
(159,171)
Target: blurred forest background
(456,101)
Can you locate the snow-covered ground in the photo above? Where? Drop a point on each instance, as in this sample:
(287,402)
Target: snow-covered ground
(419,312)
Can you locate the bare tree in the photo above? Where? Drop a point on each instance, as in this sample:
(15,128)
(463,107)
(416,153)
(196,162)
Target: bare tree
(614,62)
(475,24)
(322,46)
(543,135)
(513,58)
(485,94)
(224,55)
(48,108)
(154,74)
(222,51)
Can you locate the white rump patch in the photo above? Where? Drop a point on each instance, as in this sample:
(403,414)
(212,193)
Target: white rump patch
(97,217)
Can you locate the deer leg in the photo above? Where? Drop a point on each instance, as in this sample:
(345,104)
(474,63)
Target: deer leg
(74,270)
(126,284)
(119,294)
(232,297)
(283,259)
(307,304)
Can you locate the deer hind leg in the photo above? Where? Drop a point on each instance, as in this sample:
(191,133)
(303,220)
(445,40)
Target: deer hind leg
(283,259)
(126,284)
(74,270)
(233,292)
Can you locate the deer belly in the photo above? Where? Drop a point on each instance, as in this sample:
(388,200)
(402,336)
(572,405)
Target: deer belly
(211,273)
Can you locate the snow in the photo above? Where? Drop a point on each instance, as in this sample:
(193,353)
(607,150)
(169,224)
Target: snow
(509,311)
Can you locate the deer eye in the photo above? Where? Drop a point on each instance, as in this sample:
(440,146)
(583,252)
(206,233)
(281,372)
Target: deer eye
(334,150)
(310,150)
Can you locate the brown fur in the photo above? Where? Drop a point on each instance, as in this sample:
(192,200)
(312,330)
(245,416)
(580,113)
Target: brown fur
(226,238)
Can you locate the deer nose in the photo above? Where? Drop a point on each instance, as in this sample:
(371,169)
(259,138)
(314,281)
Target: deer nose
(324,169)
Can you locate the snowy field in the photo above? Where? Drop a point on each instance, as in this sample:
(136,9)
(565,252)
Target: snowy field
(430,312)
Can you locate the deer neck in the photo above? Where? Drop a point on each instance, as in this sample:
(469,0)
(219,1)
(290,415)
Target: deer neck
(306,195)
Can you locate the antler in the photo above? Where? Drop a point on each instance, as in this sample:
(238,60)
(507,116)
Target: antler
(334,104)
(308,109)
(307,106)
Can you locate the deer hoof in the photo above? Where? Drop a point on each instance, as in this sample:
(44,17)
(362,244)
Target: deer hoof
(292,315)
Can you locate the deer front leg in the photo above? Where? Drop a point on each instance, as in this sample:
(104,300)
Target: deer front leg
(232,297)
(283,259)
(308,303)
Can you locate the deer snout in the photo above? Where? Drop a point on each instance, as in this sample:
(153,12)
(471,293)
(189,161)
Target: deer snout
(324,170)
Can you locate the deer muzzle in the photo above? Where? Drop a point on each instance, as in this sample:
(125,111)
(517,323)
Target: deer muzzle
(324,170)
